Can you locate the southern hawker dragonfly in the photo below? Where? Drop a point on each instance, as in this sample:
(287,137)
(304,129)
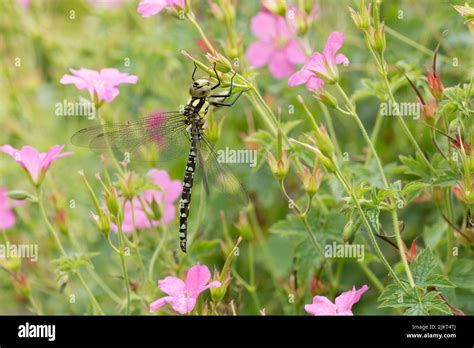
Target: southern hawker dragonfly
(171,133)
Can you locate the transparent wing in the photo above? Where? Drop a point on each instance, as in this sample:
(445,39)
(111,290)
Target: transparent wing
(165,131)
(219,175)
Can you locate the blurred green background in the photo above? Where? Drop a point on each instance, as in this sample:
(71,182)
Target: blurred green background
(51,36)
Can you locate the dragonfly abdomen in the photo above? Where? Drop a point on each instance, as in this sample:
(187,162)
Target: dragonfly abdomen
(186,197)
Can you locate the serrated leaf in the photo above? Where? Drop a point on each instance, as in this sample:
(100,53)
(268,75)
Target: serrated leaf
(439,281)
(413,190)
(416,166)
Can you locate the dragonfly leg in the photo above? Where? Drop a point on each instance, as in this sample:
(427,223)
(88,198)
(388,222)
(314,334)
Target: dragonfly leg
(215,103)
(217,77)
(194,72)
(229,93)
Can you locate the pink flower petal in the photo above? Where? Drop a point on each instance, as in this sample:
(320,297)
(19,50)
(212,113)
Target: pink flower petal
(333,44)
(172,286)
(263,26)
(30,159)
(279,65)
(294,53)
(317,64)
(169,213)
(148,8)
(196,279)
(299,77)
(314,84)
(346,300)
(321,306)
(341,59)
(214,284)
(7,217)
(183,304)
(259,53)
(160,303)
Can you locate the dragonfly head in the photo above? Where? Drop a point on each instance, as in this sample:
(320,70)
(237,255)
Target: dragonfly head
(200,88)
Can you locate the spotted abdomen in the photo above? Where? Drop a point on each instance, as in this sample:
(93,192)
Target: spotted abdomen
(186,198)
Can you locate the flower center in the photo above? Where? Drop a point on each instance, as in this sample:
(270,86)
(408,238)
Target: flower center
(281,41)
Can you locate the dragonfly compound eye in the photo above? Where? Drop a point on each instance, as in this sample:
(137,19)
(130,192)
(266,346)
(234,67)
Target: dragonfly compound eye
(200,89)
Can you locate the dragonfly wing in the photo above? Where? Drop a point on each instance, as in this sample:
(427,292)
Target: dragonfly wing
(220,175)
(165,131)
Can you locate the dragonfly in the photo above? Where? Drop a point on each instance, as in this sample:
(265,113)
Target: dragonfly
(171,132)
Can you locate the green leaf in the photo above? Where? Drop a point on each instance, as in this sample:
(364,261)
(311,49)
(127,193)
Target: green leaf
(71,264)
(413,190)
(416,166)
(440,281)
(427,272)
(462,273)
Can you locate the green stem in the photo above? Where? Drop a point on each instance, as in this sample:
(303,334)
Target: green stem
(63,251)
(374,136)
(155,255)
(394,214)
(450,239)
(123,264)
(192,18)
(136,243)
(415,44)
(368,227)
(330,125)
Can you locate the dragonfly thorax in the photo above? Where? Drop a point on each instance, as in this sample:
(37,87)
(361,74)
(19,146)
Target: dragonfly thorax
(196,108)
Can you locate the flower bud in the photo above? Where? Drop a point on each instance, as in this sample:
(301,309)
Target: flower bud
(102,222)
(280,167)
(126,185)
(216,11)
(362,19)
(325,97)
(464,194)
(156,210)
(350,230)
(278,7)
(243,226)
(112,201)
(323,142)
(435,85)
(311,180)
(428,110)
(328,163)
(222,63)
(20,195)
(466,11)
(379,39)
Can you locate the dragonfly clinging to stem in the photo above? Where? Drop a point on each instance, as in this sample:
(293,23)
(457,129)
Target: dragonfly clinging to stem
(171,132)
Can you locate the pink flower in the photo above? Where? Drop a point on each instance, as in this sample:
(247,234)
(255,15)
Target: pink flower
(169,192)
(36,164)
(101,84)
(344,302)
(183,295)
(276,45)
(23,3)
(148,8)
(7,218)
(321,67)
